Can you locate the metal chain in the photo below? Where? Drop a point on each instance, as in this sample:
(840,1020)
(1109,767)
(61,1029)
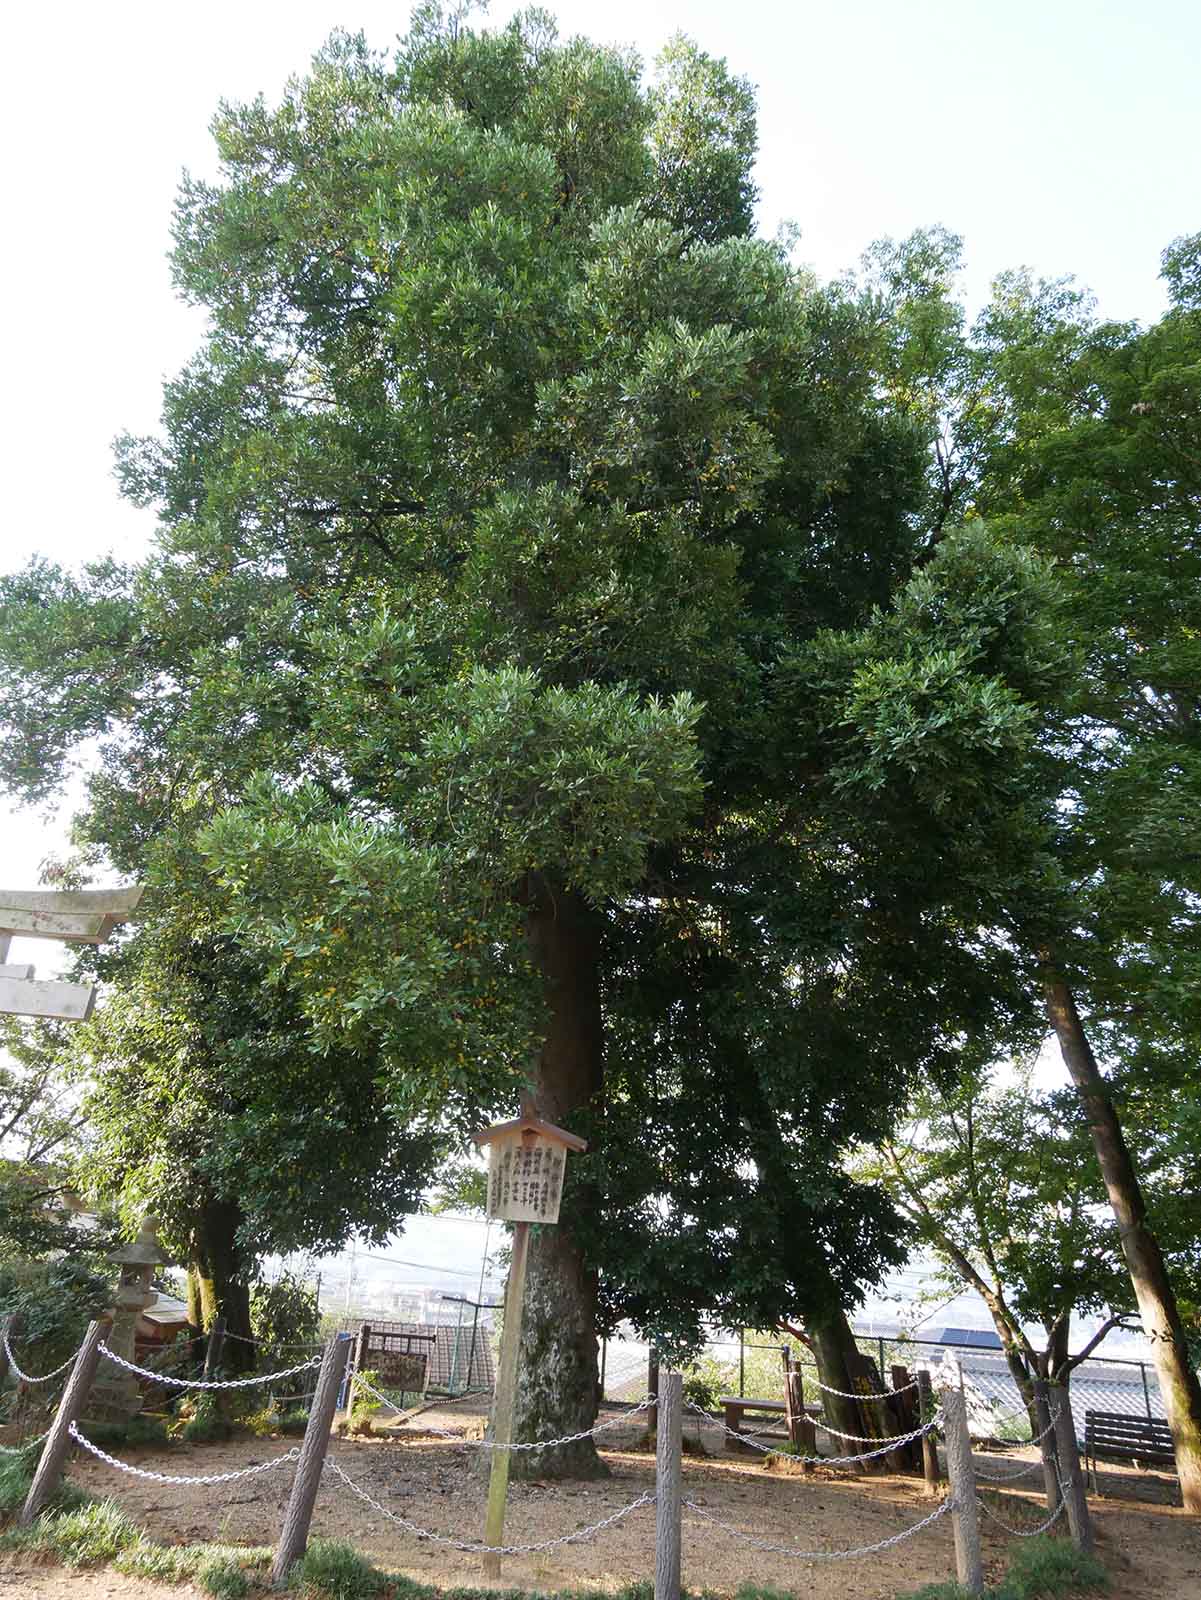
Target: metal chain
(1023,1533)
(491,1444)
(867,1438)
(867,1394)
(165,1477)
(821,1555)
(201,1383)
(470,1545)
(1025,1472)
(26,1444)
(1010,1477)
(25,1376)
(819,1461)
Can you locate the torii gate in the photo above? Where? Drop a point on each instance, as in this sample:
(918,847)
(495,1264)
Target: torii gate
(75,916)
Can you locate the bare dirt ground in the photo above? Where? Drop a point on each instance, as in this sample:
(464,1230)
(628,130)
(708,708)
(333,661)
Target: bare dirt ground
(1152,1549)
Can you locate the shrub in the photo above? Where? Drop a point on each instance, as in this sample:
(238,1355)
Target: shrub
(1045,1566)
(331,1570)
(223,1578)
(208,1424)
(362,1407)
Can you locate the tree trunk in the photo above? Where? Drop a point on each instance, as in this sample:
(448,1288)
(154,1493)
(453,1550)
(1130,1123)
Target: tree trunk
(220,1278)
(1156,1301)
(833,1342)
(557,1375)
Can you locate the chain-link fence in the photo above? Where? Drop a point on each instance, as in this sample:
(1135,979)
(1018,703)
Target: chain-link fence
(749,1364)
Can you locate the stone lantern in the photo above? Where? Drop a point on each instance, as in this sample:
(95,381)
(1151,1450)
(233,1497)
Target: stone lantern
(526,1161)
(116,1396)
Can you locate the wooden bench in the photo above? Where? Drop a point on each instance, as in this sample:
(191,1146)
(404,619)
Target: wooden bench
(1121,1437)
(735,1406)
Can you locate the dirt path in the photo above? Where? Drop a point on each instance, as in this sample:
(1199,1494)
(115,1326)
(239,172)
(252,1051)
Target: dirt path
(1151,1548)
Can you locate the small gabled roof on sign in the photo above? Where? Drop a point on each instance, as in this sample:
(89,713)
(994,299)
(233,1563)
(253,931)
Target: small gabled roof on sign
(530,1122)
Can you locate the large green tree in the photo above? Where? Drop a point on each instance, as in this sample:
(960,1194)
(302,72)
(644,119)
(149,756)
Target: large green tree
(544,650)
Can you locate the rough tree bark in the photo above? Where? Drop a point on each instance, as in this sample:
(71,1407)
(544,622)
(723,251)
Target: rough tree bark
(1152,1288)
(217,1279)
(557,1378)
(833,1341)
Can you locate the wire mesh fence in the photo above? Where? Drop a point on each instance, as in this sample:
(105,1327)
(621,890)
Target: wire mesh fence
(749,1364)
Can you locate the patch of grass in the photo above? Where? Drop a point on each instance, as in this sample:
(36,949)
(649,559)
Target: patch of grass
(333,1570)
(223,1578)
(140,1430)
(174,1563)
(1038,1567)
(1044,1566)
(16,1475)
(945,1591)
(85,1537)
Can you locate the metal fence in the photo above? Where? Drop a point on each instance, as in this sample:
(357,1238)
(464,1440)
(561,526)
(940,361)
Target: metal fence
(748,1364)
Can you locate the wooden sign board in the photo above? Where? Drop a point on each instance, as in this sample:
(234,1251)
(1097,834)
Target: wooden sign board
(525,1178)
(401,1369)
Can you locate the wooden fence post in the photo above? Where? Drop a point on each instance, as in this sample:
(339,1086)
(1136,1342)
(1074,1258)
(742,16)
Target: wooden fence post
(294,1535)
(668,1465)
(965,1514)
(800,1430)
(70,1408)
(1070,1478)
(214,1348)
(929,1441)
(504,1403)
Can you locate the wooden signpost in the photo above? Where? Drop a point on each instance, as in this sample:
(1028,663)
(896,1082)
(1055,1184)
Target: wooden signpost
(74,916)
(526,1162)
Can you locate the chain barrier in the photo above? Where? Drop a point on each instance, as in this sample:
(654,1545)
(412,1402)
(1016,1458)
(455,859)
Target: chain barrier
(821,1555)
(818,1461)
(202,1383)
(1024,1472)
(471,1546)
(25,1377)
(866,1394)
(270,1343)
(491,1444)
(27,1444)
(188,1482)
(1023,1533)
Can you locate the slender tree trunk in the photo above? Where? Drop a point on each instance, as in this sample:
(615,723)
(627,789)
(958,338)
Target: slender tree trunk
(221,1280)
(557,1380)
(1152,1288)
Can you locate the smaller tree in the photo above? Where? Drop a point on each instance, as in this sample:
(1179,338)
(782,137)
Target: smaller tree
(1001,1183)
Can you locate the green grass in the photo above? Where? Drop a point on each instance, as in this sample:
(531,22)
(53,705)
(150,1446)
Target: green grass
(223,1578)
(94,1533)
(1038,1567)
(1043,1566)
(333,1570)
